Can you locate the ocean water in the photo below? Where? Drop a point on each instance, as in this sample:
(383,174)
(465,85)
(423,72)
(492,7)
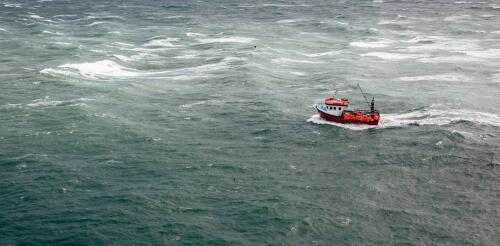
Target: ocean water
(192,122)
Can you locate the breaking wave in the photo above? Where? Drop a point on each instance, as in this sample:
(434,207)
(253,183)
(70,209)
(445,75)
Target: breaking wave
(421,117)
(103,68)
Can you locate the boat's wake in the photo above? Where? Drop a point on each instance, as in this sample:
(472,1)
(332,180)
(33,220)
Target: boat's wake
(428,116)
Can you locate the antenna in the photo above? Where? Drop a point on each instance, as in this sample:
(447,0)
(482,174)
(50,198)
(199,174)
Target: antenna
(364,96)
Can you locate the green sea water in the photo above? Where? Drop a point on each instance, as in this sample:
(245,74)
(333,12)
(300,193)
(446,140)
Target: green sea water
(193,123)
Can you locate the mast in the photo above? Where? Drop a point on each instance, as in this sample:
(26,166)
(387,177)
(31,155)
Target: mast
(365,97)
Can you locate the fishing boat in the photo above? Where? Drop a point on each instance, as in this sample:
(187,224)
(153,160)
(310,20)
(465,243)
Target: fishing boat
(337,110)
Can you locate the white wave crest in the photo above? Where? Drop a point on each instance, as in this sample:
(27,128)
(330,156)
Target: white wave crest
(194,34)
(449,59)
(48,102)
(226,40)
(328,53)
(394,56)
(374,44)
(487,54)
(288,60)
(166,42)
(103,68)
(437,77)
(290,21)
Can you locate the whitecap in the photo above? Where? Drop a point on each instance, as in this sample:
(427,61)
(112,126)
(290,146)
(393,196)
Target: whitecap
(194,34)
(2,29)
(51,71)
(166,42)
(290,21)
(374,44)
(328,53)
(449,59)
(437,77)
(442,43)
(298,73)
(187,56)
(123,44)
(100,68)
(456,18)
(96,23)
(394,56)
(12,5)
(53,33)
(35,16)
(226,40)
(288,61)
(47,102)
(487,54)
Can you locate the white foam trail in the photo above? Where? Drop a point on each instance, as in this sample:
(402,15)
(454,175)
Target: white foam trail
(430,116)
(226,40)
(438,77)
(288,61)
(3,30)
(394,56)
(374,44)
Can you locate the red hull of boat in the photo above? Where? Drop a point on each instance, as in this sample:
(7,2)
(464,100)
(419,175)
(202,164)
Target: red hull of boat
(339,119)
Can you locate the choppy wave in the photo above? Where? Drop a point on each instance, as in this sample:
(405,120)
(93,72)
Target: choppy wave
(428,116)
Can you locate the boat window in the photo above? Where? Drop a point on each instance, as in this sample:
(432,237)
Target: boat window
(340,108)
(335,108)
